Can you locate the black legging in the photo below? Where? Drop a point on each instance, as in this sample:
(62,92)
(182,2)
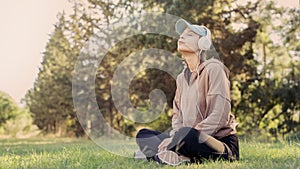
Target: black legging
(186,142)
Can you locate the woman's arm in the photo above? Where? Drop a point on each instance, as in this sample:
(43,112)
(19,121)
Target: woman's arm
(177,116)
(218,105)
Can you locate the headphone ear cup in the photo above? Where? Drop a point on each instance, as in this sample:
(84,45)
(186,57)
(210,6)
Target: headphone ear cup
(204,43)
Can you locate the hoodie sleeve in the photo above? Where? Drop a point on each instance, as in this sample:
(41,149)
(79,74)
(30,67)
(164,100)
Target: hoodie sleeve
(177,116)
(218,105)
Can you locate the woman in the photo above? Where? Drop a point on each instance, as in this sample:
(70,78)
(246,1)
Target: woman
(202,124)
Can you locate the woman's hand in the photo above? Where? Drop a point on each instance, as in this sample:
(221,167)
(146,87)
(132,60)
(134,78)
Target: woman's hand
(164,144)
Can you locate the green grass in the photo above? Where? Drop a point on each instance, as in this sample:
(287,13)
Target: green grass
(81,153)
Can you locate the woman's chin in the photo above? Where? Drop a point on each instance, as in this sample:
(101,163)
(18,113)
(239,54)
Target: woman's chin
(184,50)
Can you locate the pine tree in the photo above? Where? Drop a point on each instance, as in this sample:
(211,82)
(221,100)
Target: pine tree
(50,100)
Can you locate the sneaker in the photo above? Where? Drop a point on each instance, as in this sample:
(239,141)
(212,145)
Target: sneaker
(138,154)
(171,158)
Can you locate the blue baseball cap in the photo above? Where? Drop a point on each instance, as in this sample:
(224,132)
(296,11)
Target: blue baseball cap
(182,24)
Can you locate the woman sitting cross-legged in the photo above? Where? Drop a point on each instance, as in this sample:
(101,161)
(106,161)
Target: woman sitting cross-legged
(203,126)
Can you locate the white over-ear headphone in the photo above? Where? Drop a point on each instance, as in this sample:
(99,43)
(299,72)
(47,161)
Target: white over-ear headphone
(204,42)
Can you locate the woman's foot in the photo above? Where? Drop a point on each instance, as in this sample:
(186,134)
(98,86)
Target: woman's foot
(171,158)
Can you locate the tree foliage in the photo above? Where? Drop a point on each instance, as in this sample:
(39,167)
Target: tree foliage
(264,73)
(8,108)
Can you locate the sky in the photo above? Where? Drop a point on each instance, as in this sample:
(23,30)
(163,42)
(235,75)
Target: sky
(24,32)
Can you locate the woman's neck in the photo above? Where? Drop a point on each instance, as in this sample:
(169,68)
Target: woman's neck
(192,60)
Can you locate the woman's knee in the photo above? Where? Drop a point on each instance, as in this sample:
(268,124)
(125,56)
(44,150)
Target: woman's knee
(142,132)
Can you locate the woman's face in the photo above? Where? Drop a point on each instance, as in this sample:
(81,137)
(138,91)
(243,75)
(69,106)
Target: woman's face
(188,41)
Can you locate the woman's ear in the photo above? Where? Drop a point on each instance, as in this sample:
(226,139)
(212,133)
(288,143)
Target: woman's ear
(204,43)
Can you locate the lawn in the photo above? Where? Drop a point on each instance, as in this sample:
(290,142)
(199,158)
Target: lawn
(82,153)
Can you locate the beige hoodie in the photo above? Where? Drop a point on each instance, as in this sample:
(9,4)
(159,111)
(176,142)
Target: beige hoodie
(204,102)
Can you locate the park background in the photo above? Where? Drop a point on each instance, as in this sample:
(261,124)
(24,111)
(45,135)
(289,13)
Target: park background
(257,40)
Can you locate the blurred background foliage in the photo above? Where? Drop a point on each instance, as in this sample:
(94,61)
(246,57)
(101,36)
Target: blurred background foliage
(258,41)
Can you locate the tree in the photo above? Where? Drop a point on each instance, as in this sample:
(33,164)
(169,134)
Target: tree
(237,55)
(8,108)
(50,100)
(267,104)
(260,92)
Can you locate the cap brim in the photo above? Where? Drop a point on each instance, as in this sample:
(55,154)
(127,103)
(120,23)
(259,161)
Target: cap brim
(181,25)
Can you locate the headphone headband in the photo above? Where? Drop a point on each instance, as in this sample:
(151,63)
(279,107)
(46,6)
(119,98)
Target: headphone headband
(204,42)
